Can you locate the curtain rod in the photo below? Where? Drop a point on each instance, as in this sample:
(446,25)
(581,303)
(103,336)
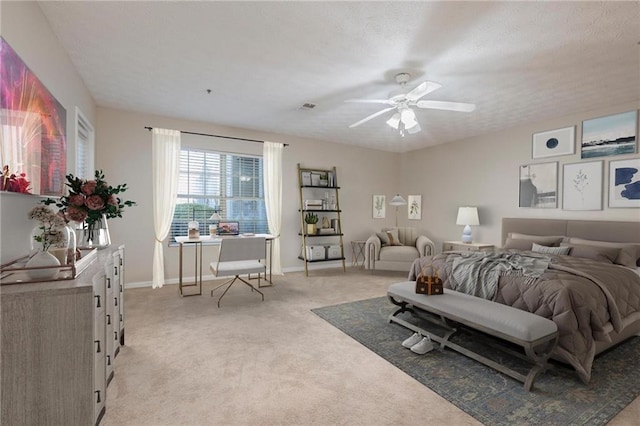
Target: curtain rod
(217,136)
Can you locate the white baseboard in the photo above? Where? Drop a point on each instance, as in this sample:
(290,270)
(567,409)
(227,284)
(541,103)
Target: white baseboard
(323,265)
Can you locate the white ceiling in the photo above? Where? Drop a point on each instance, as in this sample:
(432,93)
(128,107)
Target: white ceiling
(518,62)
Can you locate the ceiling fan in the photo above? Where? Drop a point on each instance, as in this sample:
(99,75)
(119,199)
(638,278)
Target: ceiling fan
(403,102)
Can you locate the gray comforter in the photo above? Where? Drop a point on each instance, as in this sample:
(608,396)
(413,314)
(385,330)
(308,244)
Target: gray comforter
(582,296)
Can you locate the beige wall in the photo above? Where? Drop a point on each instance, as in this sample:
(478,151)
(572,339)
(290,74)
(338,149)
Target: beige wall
(484,172)
(124,153)
(25,28)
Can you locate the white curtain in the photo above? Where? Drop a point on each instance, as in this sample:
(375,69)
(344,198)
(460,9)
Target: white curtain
(165,153)
(272,169)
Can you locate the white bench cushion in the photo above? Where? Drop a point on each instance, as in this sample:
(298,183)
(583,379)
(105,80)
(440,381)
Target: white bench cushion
(470,310)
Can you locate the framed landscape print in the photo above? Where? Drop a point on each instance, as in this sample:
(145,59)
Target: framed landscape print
(539,186)
(610,135)
(415,207)
(582,186)
(379,206)
(554,143)
(624,183)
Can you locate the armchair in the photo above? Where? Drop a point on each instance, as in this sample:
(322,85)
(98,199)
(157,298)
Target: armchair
(383,255)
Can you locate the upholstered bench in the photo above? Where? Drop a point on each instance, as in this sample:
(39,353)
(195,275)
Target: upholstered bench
(452,310)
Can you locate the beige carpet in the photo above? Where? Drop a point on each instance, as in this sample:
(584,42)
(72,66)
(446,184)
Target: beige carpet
(275,362)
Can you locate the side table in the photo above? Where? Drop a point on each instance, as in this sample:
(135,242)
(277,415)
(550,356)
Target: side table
(460,246)
(357,252)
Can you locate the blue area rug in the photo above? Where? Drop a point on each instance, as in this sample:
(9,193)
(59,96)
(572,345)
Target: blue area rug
(558,397)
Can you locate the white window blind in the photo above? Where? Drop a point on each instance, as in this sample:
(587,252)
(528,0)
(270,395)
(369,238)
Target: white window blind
(229,184)
(84,147)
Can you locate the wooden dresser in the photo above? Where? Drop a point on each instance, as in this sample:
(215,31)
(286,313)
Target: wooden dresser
(59,342)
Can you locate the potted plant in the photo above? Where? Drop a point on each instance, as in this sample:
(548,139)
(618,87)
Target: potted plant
(311,220)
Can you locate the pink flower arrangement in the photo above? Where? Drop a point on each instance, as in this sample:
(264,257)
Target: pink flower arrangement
(89,200)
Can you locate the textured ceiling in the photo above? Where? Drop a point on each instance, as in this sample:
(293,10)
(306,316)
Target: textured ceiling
(518,62)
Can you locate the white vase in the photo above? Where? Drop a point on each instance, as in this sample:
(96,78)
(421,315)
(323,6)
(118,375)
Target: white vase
(42,258)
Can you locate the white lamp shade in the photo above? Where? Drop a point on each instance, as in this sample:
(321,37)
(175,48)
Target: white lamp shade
(215,216)
(398,201)
(468,216)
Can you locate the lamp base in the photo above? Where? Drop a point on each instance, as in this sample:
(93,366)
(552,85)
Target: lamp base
(466,235)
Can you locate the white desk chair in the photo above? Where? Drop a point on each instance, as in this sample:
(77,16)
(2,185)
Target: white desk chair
(238,256)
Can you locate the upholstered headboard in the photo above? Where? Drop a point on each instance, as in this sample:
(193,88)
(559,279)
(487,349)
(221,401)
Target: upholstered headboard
(617,232)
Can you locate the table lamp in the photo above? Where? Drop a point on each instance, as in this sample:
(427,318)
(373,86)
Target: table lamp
(213,229)
(467,216)
(397,201)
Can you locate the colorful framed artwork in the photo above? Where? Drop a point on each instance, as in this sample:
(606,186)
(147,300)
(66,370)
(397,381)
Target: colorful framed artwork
(624,183)
(582,186)
(539,186)
(415,207)
(34,126)
(554,142)
(611,135)
(379,209)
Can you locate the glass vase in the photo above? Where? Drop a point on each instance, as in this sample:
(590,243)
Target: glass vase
(93,234)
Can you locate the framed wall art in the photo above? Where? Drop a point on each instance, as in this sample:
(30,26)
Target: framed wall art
(379,206)
(539,185)
(610,135)
(34,126)
(554,142)
(415,207)
(582,186)
(624,183)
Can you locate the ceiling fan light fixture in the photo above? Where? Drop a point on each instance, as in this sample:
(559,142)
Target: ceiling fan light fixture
(394,121)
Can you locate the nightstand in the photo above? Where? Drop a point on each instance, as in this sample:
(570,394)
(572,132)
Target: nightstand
(460,246)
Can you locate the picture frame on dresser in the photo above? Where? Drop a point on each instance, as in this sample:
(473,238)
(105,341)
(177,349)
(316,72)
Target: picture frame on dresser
(582,186)
(624,183)
(553,143)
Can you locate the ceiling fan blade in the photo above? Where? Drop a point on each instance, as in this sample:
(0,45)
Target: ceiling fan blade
(423,89)
(449,106)
(372,116)
(371,101)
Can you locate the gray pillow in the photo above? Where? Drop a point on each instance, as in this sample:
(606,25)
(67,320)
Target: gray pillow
(543,240)
(626,257)
(383,238)
(517,244)
(599,253)
(550,250)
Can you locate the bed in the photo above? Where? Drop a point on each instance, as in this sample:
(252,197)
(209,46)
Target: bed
(583,275)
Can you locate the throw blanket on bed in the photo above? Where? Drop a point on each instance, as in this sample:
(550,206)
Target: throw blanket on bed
(477,273)
(587,299)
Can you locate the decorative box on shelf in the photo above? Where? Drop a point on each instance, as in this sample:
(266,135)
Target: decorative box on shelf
(16,271)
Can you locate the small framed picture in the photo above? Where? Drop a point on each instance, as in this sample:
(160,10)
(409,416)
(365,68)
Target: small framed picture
(610,135)
(379,206)
(415,207)
(306,178)
(315,179)
(539,185)
(624,183)
(582,186)
(554,142)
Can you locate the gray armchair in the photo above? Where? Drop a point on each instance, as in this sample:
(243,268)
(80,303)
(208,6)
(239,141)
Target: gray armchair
(381,256)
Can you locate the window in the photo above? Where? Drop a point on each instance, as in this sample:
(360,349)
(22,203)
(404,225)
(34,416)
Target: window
(84,147)
(230,184)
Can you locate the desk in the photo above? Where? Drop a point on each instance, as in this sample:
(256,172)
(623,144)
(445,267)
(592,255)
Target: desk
(357,251)
(213,240)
